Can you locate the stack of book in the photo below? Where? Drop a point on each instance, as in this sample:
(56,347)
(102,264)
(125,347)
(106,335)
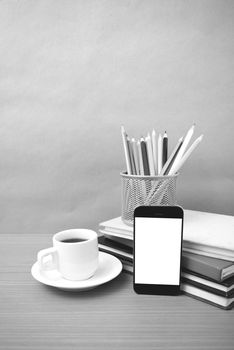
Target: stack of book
(207,257)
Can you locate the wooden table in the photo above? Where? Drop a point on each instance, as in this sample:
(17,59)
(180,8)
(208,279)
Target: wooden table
(112,316)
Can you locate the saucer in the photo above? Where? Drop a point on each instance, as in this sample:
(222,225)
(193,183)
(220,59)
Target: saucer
(109,268)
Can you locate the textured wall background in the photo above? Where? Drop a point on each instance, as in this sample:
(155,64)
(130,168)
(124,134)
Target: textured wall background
(71,72)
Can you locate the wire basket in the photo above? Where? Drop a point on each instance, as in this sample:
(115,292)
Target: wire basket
(146,190)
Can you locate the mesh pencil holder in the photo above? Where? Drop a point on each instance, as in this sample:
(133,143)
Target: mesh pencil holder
(146,190)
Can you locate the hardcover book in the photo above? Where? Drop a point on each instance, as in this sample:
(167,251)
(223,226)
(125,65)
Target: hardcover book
(225,288)
(215,269)
(208,297)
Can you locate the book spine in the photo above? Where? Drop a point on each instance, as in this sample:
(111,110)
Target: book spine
(198,266)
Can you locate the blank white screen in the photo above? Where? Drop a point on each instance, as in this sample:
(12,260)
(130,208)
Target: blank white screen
(157,250)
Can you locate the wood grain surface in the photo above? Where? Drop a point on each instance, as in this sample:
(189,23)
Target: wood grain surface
(112,316)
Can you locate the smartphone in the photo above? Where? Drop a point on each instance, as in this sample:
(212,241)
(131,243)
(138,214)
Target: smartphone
(158,234)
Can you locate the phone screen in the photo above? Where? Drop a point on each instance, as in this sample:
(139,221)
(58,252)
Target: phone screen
(158,250)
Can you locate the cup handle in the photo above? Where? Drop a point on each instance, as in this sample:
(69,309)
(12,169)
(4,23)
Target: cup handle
(53,261)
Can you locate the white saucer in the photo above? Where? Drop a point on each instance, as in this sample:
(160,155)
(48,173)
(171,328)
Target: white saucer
(109,268)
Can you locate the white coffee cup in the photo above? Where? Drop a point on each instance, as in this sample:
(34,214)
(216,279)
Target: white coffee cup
(74,254)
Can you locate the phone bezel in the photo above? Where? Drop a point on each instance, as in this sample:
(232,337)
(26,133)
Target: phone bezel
(158,212)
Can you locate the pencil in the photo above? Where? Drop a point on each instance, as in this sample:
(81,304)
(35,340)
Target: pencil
(154,150)
(159,153)
(135,156)
(150,155)
(165,148)
(132,162)
(140,158)
(183,147)
(126,150)
(186,155)
(145,157)
(172,157)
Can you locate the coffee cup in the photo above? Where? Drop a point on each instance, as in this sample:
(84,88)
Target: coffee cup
(74,254)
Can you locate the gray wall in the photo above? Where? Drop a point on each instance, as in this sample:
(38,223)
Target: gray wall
(71,72)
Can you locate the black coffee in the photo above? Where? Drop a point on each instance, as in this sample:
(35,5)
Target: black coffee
(73,240)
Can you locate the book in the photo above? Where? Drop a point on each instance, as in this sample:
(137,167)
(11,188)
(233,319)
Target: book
(127,242)
(225,288)
(117,228)
(214,269)
(208,297)
(118,249)
(204,233)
